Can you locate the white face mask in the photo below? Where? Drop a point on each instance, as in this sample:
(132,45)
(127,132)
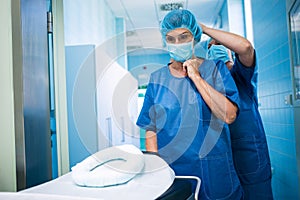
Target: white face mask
(181,52)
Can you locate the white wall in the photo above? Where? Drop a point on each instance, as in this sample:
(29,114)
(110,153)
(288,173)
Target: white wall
(88,22)
(92,22)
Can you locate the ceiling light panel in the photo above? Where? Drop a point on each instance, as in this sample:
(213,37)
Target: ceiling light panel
(165,6)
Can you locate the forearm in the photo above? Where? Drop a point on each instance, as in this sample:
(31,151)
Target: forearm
(151,141)
(219,104)
(234,42)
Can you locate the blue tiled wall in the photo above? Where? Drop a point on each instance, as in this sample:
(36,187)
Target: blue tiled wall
(270,29)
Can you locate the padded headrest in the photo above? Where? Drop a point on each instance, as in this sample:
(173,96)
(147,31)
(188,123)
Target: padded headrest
(111,166)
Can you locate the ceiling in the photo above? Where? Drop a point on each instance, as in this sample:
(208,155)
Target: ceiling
(142,17)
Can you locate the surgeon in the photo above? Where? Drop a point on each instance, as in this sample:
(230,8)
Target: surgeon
(249,145)
(187,108)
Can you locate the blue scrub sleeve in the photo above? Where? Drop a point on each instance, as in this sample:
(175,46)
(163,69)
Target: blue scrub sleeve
(146,117)
(246,76)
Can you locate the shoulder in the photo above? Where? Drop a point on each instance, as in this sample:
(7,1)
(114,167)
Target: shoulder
(213,67)
(241,66)
(161,72)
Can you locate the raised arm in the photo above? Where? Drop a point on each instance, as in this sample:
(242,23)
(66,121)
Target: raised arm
(234,42)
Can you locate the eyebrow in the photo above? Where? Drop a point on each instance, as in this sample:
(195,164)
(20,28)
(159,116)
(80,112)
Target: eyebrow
(179,34)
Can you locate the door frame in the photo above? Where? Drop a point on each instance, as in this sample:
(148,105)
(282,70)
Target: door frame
(61,113)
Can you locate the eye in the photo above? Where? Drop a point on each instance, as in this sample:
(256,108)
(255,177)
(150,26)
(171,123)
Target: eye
(183,37)
(170,39)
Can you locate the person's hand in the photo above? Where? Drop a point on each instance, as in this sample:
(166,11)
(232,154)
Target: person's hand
(191,67)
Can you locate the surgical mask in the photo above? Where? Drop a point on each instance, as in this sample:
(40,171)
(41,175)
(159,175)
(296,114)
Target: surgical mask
(181,52)
(218,52)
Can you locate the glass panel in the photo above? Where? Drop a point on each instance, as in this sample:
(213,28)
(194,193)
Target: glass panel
(295,36)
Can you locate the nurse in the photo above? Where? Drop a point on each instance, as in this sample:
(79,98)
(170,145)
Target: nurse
(249,145)
(187,108)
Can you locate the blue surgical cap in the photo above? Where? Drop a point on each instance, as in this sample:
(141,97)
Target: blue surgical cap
(180,19)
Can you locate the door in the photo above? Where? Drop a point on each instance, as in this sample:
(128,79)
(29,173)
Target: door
(294,99)
(36,108)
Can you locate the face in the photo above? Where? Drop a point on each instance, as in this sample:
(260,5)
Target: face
(180,44)
(179,36)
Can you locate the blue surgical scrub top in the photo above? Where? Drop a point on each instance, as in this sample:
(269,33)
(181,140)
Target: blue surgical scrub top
(189,137)
(249,146)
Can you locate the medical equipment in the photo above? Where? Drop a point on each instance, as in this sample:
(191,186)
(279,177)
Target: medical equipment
(155,181)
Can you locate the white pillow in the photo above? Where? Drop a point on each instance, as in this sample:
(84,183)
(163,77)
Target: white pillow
(111,166)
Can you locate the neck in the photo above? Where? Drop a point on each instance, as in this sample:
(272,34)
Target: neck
(176,69)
